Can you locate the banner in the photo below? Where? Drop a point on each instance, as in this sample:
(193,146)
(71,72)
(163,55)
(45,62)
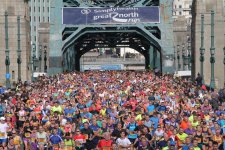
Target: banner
(114,15)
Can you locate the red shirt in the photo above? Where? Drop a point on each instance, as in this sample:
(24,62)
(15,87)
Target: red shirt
(103,143)
(79,137)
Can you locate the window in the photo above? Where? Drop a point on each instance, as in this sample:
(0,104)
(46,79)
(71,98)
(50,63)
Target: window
(39,19)
(190,6)
(34,28)
(180,6)
(30,9)
(39,9)
(34,19)
(34,8)
(34,38)
(48,19)
(175,6)
(180,13)
(48,9)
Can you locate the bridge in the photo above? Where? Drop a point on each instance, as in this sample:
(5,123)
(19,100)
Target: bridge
(154,40)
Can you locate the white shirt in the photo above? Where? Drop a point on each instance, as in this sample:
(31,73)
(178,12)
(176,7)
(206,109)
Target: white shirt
(123,142)
(3,130)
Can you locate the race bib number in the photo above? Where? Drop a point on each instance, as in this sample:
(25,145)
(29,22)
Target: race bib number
(41,140)
(27,135)
(70,115)
(2,134)
(21,118)
(32,139)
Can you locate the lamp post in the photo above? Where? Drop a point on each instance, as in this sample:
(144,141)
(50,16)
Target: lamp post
(19,50)
(189,56)
(183,56)
(174,59)
(178,57)
(45,58)
(189,53)
(40,57)
(7,61)
(202,49)
(212,52)
(33,59)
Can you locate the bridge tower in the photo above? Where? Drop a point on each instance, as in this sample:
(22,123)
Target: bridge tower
(69,42)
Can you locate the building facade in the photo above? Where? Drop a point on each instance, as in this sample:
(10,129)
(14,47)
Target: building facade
(15,8)
(182,8)
(39,22)
(182,33)
(204,7)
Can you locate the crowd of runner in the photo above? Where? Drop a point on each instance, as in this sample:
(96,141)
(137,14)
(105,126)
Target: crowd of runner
(110,110)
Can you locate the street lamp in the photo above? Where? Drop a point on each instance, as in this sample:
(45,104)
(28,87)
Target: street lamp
(212,52)
(174,59)
(45,58)
(202,49)
(189,56)
(40,57)
(189,52)
(178,56)
(19,50)
(183,56)
(7,61)
(33,59)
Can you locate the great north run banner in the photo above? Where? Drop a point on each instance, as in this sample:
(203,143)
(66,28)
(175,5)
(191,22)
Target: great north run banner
(114,15)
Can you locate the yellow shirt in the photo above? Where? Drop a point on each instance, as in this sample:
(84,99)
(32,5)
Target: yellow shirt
(194,124)
(197,148)
(103,112)
(139,117)
(59,109)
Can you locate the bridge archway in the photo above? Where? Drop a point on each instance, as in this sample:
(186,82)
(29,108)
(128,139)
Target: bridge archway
(109,37)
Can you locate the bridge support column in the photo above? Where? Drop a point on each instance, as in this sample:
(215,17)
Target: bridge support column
(77,62)
(147,60)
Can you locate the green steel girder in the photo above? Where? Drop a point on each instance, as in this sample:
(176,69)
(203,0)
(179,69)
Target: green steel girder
(88,29)
(68,43)
(109,3)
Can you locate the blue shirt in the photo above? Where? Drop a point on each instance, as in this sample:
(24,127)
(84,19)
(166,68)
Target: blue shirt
(69,111)
(55,139)
(150,108)
(131,127)
(94,127)
(155,120)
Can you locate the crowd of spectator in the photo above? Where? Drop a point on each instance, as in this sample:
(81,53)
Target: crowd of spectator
(111,110)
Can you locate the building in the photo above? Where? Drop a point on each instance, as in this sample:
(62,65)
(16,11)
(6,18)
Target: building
(182,33)
(182,8)
(15,9)
(204,7)
(39,22)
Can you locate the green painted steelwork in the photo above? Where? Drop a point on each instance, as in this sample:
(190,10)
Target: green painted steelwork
(7,60)
(19,50)
(212,51)
(144,38)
